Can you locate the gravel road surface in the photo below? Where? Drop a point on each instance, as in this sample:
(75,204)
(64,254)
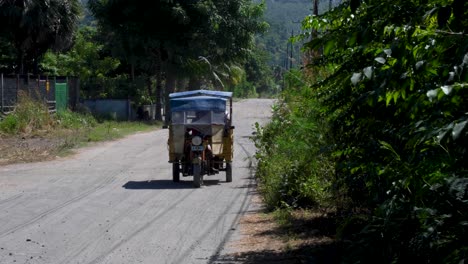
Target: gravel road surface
(116,203)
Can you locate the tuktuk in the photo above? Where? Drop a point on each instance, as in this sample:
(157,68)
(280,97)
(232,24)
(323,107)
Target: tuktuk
(200,134)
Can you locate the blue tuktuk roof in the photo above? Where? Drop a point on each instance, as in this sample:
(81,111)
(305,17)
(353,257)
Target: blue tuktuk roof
(201,93)
(198,103)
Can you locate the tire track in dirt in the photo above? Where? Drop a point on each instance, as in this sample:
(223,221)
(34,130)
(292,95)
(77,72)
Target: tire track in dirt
(141,229)
(46,213)
(10,199)
(116,220)
(244,205)
(109,178)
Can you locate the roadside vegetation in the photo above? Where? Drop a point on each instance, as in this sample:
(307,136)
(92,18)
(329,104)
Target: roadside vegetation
(373,131)
(31,133)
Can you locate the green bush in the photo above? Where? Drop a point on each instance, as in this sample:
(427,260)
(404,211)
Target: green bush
(9,124)
(29,116)
(293,170)
(72,120)
(396,106)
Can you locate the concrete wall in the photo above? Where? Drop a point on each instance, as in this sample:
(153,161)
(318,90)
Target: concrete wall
(119,109)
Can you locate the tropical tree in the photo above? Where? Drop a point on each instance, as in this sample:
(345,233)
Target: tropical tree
(32,27)
(142,35)
(178,37)
(86,60)
(395,97)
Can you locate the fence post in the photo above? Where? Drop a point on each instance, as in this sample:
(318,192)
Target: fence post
(38,83)
(17,87)
(2,90)
(27,84)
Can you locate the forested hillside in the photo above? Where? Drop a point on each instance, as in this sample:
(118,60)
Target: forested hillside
(285,18)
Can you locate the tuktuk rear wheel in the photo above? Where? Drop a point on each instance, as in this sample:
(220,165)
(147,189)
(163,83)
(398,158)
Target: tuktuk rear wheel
(228,171)
(197,177)
(175,172)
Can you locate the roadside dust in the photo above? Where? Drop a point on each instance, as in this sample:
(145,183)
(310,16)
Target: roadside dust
(308,238)
(18,149)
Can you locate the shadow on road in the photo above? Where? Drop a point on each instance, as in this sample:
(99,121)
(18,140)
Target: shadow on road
(310,239)
(164,184)
(326,254)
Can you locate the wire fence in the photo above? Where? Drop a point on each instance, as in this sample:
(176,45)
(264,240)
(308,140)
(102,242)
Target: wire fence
(37,87)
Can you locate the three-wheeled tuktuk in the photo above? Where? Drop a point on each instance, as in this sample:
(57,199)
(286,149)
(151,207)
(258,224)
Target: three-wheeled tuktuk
(200,134)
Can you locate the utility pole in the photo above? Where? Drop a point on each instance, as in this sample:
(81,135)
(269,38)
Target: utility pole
(291,51)
(287,54)
(316,7)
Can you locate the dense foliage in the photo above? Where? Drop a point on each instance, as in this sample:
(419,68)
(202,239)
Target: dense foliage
(141,51)
(88,60)
(394,97)
(29,28)
(202,41)
(293,170)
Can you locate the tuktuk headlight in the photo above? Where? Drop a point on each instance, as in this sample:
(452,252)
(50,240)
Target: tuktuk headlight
(196,140)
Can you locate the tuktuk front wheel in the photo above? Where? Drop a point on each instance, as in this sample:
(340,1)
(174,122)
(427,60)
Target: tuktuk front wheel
(175,172)
(228,171)
(197,177)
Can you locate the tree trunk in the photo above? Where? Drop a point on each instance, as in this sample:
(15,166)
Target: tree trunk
(20,62)
(194,83)
(158,114)
(149,87)
(170,88)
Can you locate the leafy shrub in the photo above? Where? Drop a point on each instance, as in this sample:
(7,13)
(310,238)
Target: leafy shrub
(293,170)
(29,116)
(396,105)
(9,124)
(72,120)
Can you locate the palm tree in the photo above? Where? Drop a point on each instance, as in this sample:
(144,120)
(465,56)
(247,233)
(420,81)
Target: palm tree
(33,27)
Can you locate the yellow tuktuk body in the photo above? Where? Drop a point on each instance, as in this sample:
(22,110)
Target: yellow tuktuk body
(201,134)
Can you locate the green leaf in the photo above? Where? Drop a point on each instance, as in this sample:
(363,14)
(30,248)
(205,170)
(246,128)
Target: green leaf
(431,94)
(447,89)
(419,64)
(368,72)
(356,78)
(403,93)
(443,132)
(458,128)
(329,47)
(388,52)
(396,94)
(389,97)
(380,60)
(387,146)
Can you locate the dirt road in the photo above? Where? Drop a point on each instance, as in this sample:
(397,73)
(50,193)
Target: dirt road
(116,203)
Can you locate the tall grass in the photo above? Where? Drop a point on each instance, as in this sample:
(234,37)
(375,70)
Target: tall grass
(28,117)
(63,130)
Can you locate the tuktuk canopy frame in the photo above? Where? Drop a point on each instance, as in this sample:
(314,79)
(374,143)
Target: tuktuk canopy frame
(201,93)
